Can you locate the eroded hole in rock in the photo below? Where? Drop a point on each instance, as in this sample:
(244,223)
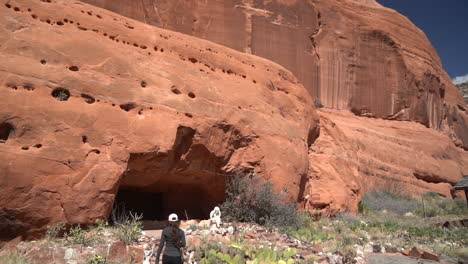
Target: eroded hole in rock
(73,68)
(96,151)
(6,130)
(43,62)
(61,94)
(28,86)
(128,106)
(88,99)
(185,180)
(193,60)
(84,139)
(175,90)
(191,95)
(143,84)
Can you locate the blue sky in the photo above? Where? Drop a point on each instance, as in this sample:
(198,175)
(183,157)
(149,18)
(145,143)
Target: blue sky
(445,24)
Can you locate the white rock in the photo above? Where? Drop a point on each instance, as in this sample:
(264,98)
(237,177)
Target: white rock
(360,253)
(360,260)
(368,248)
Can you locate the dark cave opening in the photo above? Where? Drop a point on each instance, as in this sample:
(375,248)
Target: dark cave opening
(186,180)
(187,201)
(5,131)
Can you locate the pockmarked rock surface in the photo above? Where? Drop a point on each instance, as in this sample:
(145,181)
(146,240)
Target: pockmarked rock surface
(353,155)
(94,102)
(355,54)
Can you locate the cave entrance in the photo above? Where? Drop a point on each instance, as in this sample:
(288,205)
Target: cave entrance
(187,201)
(186,180)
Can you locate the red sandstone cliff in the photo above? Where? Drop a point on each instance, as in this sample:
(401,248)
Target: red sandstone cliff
(352,54)
(96,103)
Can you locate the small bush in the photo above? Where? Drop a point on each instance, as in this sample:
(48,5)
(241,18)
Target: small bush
(379,201)
(248,200)
(97,259)
(119,214)
(76,235)
(436,205)
(348,253)
(54,231)
(363,208)
(130,231)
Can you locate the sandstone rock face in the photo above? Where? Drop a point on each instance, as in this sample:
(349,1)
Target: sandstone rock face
(353,156)
(464,90)
(100,109)
(355,54)
(94,102)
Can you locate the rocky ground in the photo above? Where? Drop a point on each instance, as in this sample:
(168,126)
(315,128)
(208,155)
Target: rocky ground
(256,244)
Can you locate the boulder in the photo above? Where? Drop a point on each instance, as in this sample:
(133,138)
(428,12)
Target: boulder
(429,255)
(415,253)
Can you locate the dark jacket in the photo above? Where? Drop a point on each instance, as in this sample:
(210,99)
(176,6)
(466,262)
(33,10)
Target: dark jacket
(171,249)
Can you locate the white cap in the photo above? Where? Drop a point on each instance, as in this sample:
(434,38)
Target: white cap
(173,218)
(216,208)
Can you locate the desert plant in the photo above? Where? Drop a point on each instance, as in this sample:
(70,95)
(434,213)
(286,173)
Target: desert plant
(437,205)
(398,204)
(97,259)
(119,214)
(77,235)
(54,231)
(130,231)
(250,200)
(363,208)
(348,253)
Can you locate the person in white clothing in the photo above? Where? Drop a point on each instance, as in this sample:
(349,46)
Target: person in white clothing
(215,217)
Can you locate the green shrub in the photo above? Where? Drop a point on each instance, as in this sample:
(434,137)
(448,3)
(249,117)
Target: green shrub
(238,253)
(386,226)
(54,231)
(130,231)
(77,235)
(249,200)
(97,259)
(363,208)
(436,205)
(310,235)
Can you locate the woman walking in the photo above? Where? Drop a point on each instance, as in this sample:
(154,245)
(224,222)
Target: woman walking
(174,238)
